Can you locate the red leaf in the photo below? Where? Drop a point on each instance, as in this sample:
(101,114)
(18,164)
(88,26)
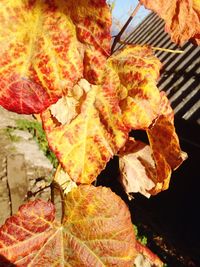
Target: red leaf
(96,231)
(42,49)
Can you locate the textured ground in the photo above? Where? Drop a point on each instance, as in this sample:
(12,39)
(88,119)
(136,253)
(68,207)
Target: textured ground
(24,169)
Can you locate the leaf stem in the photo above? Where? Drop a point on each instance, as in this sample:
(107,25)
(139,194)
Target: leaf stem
(167,50)
(118,36)
(157,48)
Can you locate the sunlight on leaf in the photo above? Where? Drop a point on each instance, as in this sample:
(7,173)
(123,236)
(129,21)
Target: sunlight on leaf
(182,18)
(96,231)
(138,71)
(43,49)
(126,98)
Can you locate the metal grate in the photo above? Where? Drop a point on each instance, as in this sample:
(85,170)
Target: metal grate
(180,75)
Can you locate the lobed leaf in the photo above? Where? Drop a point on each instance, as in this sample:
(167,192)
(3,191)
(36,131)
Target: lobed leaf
(87,143)
(43,49)
(182,18)
(138,70)
(96,231)
(125,98)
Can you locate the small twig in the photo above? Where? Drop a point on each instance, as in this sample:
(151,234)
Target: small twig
(158,48)
(56,186)
(118,36)
(167,50)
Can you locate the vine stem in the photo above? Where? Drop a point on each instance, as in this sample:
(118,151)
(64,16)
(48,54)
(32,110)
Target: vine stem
(56,186)
(167,50)
(118,36)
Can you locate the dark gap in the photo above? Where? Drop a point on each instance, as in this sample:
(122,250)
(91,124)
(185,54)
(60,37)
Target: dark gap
(177,74)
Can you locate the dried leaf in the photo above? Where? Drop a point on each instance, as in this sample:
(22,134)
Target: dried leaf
(182,18)
(64,181)
(43,46)
(96,231)
(137,166)
(147,169)
(146,257)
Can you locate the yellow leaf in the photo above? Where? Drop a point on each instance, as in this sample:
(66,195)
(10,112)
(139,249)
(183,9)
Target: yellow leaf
(138,71)
(87,143)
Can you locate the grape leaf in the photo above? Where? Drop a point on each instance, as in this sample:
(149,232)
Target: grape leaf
(138,70)
(126,98)
(43,49)
(147,169)
(96,231)
(146,257)
(87,143)
(182,18)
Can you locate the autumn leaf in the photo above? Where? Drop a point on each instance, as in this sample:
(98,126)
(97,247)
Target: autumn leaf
(137,167)
(96,231)
(182,18)
(138,70)
(163,138)
(147,168)
(63,180)
(125,98)
(87,143)
(43,46)
(146,257)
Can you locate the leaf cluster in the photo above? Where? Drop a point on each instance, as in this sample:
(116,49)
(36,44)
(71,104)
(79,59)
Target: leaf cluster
(56,61)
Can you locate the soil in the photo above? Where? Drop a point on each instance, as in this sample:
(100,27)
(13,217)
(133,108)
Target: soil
(25,172)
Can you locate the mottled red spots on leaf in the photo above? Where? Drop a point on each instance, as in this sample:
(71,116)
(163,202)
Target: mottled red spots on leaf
(100,233)
(26,95)
(87,143)
(44,43)
(138,72)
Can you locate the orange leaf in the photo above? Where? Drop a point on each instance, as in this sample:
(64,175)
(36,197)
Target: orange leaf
(182,18)
(163,138)
(96,231)
(42,49)
(147,169)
